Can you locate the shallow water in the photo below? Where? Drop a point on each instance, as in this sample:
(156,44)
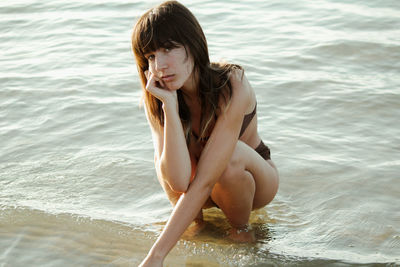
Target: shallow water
(77,182)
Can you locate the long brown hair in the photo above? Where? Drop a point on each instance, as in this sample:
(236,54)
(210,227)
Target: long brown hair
(170,23)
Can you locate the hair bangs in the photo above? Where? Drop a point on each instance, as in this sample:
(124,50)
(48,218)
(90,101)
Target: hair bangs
(157,32)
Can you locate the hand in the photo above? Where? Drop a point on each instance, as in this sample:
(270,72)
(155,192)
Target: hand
(157,88)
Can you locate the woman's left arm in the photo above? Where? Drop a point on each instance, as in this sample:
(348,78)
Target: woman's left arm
(213,161)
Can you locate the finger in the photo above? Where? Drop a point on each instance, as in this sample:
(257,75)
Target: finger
(150,80)
(161,83)
(158,82)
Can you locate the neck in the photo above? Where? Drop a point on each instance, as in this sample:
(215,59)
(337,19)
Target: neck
(190,88)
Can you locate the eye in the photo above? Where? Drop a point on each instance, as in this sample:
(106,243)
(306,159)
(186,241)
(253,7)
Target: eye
(149,57)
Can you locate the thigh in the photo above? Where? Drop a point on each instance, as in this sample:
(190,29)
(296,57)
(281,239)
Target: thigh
(263,171)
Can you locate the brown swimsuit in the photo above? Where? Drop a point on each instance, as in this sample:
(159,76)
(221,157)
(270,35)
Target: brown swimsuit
(261,149)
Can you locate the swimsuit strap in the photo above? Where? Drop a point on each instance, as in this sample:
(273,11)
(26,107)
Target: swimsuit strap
(247,119)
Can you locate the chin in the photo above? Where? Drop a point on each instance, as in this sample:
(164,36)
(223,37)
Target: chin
(173,87)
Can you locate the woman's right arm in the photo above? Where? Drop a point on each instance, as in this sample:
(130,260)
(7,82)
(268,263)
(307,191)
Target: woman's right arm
(171,154)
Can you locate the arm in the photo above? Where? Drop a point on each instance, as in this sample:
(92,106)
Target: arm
(173,161)
(212,163)
(171,155)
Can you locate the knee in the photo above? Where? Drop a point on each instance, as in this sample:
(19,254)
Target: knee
(230,175)
(235,173)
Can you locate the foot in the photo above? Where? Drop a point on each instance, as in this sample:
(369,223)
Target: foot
(242,235)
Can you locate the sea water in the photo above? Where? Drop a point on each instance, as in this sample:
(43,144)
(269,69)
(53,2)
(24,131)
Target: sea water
(77,181)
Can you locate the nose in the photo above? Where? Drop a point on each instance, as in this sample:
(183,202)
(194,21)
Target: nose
(161,62)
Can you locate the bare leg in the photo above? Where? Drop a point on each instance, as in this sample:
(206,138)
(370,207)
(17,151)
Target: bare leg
(234,195)
(247,183)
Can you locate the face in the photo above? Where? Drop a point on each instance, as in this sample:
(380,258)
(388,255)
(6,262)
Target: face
(173,65)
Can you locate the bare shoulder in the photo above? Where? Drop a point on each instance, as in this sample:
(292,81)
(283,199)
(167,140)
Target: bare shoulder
(242,91)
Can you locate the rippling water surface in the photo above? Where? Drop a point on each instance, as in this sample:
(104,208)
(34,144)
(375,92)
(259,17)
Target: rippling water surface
(77,183)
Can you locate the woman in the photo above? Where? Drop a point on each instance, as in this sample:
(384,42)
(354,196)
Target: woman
(207,150)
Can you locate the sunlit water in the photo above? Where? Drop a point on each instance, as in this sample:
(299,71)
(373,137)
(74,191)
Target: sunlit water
(77,182)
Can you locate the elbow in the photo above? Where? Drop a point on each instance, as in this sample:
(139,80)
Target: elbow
(180,188)
(178,180)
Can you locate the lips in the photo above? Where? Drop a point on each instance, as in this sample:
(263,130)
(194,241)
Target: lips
(167,78)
